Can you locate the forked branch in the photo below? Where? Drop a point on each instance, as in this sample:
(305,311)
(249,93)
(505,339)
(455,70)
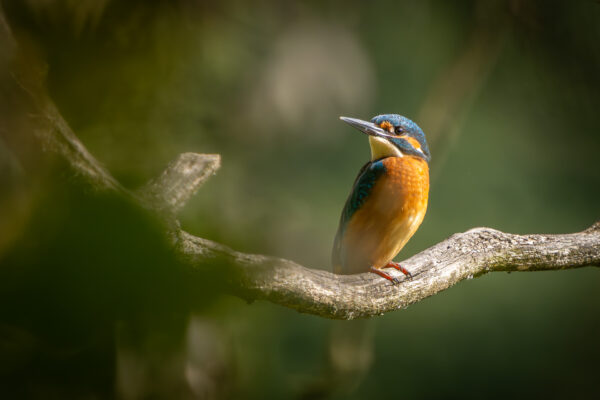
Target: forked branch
(259,277)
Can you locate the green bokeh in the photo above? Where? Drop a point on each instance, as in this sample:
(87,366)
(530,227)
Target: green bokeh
(263,85)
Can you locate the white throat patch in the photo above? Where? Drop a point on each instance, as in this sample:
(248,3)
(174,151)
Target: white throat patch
(381,148)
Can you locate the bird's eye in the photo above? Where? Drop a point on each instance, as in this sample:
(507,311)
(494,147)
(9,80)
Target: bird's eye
(399,130)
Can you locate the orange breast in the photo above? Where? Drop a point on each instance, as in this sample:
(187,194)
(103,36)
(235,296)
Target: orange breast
(391,215)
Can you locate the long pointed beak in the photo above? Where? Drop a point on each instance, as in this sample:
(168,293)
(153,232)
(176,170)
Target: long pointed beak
(366,127)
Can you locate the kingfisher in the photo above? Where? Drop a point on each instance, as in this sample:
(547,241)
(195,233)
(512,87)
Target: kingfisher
(388,200)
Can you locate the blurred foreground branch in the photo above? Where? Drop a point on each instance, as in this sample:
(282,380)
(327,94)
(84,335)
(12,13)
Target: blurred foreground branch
(260,277)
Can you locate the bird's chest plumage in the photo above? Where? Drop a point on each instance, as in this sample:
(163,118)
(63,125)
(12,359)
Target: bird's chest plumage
(389,216)
(403,189)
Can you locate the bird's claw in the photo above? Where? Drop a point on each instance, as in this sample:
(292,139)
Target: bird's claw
(393,279)
(400,268)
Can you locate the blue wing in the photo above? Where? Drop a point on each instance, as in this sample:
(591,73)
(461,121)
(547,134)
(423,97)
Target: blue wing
(363,185)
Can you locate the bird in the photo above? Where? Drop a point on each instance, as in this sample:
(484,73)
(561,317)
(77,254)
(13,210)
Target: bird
(388,199)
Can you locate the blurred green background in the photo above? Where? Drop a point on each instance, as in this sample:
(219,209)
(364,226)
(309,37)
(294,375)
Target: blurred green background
(94,305)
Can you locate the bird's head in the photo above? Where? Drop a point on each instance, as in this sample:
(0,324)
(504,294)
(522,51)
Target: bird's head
(392,135)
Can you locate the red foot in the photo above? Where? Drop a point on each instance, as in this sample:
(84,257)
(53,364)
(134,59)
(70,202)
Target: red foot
(399,268)
(379,272)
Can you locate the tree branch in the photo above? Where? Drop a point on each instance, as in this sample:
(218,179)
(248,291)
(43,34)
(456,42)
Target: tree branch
(180,181)
(258,277)
(462,256)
